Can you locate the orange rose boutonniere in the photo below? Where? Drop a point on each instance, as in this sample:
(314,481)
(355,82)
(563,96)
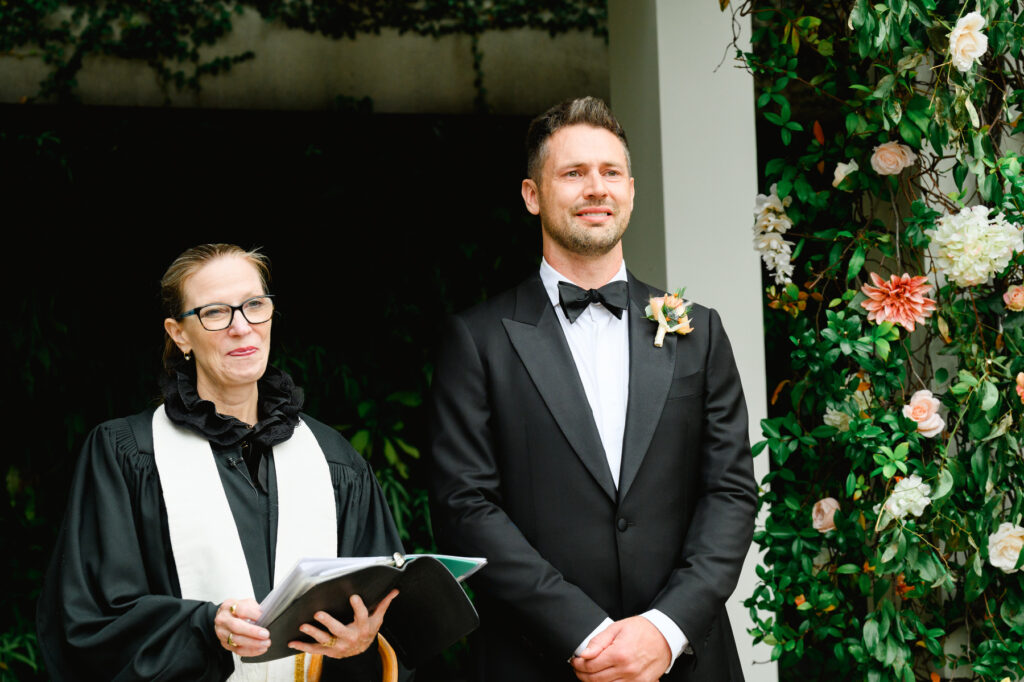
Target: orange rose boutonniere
(670,312)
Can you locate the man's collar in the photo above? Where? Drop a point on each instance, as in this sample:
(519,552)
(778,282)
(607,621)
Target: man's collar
(551,277)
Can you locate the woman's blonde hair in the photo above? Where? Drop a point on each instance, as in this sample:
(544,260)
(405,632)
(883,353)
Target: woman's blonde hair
(172,284)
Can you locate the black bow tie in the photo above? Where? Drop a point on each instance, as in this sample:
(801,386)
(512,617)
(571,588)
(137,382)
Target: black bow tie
(575,300)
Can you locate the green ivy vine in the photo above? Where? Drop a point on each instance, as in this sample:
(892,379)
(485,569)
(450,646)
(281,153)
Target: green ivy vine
(169,35)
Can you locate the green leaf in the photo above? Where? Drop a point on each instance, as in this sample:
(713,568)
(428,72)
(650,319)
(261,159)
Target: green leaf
(989,396)
(910,133)
(885,86)
(848,569)
(360,440)
(407,398)
(991,188)
(967,378)
(871,635)
(770,429)
(972,112)
(944,485)
(856,262)
(959,175)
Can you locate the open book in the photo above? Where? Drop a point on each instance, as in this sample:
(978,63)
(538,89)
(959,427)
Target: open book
(430,613)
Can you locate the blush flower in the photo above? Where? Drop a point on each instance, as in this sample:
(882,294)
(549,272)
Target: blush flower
(823,514)
(1014,298)
(966,41)
(923,408)
(1020,386)
(889,158)
(901,300)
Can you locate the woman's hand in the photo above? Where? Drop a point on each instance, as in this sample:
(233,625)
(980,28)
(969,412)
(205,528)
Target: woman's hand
(342,641)
(236,629)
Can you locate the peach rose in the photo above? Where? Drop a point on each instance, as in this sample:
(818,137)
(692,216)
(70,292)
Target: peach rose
(966,41)
(823,514)
(1020,385)
(889,158)
(1014,298)
(923,408)
(670,301)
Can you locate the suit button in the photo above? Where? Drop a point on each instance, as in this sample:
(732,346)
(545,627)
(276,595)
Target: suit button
(622,524)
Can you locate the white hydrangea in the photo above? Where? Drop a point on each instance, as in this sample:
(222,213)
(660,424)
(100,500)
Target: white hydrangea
(837,419)
(971,248)
(770,223)
(910,496)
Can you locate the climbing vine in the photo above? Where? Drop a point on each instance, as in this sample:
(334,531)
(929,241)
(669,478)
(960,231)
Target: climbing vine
(170,35)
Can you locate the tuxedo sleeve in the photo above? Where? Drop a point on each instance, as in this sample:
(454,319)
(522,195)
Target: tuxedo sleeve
(467,498)
(723,522)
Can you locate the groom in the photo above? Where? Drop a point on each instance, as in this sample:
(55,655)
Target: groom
(608,481)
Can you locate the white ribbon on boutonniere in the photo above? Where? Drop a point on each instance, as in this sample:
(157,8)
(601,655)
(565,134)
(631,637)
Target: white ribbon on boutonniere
(671,313)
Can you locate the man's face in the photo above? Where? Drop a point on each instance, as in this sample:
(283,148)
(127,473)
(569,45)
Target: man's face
(585,194)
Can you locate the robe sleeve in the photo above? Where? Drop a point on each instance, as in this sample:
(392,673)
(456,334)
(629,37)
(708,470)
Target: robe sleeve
(108,609)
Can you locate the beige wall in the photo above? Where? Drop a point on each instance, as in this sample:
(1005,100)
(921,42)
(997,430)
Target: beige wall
(691,131)
(525,71)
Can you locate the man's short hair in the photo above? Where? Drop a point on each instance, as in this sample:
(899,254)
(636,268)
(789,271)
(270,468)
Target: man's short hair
(591,111)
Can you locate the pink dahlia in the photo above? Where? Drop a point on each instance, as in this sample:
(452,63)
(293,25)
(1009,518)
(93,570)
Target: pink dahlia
(901,300)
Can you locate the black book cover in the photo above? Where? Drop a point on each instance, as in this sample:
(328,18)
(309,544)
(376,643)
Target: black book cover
(430,613)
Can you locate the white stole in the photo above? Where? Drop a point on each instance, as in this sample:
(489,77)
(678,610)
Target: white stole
(204,538)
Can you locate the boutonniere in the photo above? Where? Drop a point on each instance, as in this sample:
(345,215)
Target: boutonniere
(670,312)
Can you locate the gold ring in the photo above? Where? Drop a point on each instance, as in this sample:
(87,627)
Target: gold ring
(233,607)
(331,642)
(231,640)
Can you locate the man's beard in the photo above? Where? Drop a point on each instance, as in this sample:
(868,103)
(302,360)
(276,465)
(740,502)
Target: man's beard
(586,241)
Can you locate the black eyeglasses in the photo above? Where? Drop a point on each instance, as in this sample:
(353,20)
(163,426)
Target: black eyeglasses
(217,316)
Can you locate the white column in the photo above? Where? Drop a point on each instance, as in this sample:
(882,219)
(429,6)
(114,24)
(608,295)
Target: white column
(690,124)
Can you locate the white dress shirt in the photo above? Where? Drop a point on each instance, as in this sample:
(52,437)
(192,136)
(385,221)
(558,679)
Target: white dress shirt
(599,343)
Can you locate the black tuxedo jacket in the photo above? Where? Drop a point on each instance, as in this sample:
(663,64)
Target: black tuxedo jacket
(519,476)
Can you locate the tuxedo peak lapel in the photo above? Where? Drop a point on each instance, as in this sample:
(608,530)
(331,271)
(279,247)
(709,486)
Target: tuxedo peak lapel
(538,339)
(650,377)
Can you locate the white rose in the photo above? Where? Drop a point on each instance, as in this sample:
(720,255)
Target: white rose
(837,419)
(967,43)
(842,170)
(1004,547)
(889,158)
(910,496)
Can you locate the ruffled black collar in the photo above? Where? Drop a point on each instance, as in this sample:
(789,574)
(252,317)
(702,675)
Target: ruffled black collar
(279,403)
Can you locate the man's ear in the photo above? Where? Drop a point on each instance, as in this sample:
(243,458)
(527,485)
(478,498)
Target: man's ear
(177,334)
(531,197)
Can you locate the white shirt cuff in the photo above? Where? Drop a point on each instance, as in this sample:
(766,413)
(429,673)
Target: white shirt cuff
(677,641)
(583,645)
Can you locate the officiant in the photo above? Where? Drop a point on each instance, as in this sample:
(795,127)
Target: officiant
(181,519)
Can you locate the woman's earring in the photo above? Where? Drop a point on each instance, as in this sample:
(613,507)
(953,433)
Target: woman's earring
(187,356)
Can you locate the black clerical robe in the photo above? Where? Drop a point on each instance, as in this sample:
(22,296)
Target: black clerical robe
(111,606)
